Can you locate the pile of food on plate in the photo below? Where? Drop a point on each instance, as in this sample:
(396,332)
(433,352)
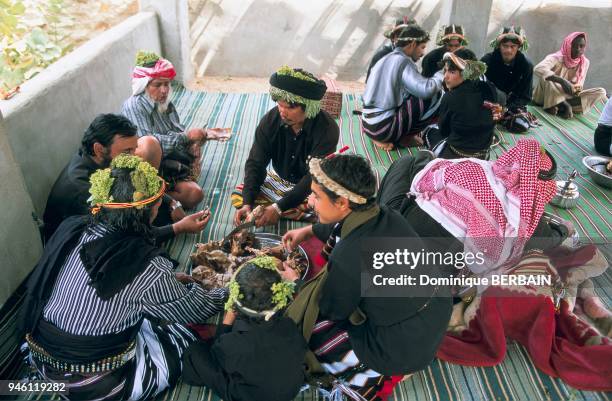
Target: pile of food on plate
(216,261)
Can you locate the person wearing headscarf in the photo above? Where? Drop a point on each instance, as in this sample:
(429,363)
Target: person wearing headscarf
(561,75)
(494,207)
(398,102)
(511,71)
(95,301)
(361,336)
(388,46)
(286,137)
(164,141)
(258,353)
(450,38)
(465,125)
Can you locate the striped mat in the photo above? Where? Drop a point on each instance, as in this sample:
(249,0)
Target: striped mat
(514,379)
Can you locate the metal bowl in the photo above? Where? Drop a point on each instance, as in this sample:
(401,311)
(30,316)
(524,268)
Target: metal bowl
(597,170)
(271,240)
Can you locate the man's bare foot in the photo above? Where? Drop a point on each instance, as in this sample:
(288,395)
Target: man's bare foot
(594,308)
(411,141)
(383,145)
(565,110)
(552,110)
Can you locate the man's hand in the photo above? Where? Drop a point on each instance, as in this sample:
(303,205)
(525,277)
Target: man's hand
(229,318)
(293,238)
(197,135)
(194,223)
(184,278)
(566,85)
(269,217)
(241,214)
(288,273)
(177,214)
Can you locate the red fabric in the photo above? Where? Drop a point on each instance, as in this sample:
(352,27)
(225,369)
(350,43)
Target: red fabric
(565,54)
(555,341)
(162,69)
(205,331)
(313,248)
(387,390)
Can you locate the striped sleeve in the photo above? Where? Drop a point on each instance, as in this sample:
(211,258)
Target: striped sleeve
(145,123)
(171,300)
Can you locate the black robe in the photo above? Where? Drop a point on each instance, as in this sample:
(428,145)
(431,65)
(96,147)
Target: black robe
(254,361)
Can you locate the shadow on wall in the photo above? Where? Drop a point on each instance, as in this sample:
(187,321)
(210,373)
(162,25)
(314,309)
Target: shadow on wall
(268,34)
(547,26)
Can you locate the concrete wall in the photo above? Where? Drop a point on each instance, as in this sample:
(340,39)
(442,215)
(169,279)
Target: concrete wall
(46,121)
(20,245)
(254,37)
(43,126)
(174,28)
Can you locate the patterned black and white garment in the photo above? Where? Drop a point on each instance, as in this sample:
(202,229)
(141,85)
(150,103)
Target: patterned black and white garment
(154,307)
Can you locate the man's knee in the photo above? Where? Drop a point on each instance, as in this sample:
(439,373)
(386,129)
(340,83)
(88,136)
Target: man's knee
(150,150)
(190,193)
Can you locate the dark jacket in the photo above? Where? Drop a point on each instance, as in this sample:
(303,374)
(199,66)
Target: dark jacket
(253,362)
(515,79)
(396,337)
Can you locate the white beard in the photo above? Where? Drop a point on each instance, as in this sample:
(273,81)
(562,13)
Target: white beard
(161,107)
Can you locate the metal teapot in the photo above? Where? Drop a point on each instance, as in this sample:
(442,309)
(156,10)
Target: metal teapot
(567,193)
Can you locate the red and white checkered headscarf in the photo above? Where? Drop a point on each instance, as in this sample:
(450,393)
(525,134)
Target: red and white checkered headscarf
(565,54)
(493,207)
(141,76)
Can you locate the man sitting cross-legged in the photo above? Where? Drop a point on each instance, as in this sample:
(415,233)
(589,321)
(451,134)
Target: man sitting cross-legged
(560,87)
(287,136)
(104,312)
(398,101)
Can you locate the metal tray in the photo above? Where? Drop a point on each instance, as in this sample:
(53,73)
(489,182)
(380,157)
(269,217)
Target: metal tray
(271,240)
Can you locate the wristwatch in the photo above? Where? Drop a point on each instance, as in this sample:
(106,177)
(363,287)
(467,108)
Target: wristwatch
(175,205)
(277,208)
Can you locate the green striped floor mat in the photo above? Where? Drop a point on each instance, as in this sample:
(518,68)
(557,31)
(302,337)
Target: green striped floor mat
(516,378)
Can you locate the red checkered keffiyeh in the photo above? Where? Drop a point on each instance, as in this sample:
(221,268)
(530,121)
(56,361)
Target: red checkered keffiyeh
(141,76)
(493,207)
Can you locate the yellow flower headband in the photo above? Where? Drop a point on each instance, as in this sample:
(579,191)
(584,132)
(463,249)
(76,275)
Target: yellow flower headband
(125,205)
(148,186)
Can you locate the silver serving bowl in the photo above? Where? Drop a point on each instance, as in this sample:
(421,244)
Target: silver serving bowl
(596,166)
(271,240)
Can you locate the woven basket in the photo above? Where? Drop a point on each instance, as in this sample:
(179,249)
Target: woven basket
(332,100)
